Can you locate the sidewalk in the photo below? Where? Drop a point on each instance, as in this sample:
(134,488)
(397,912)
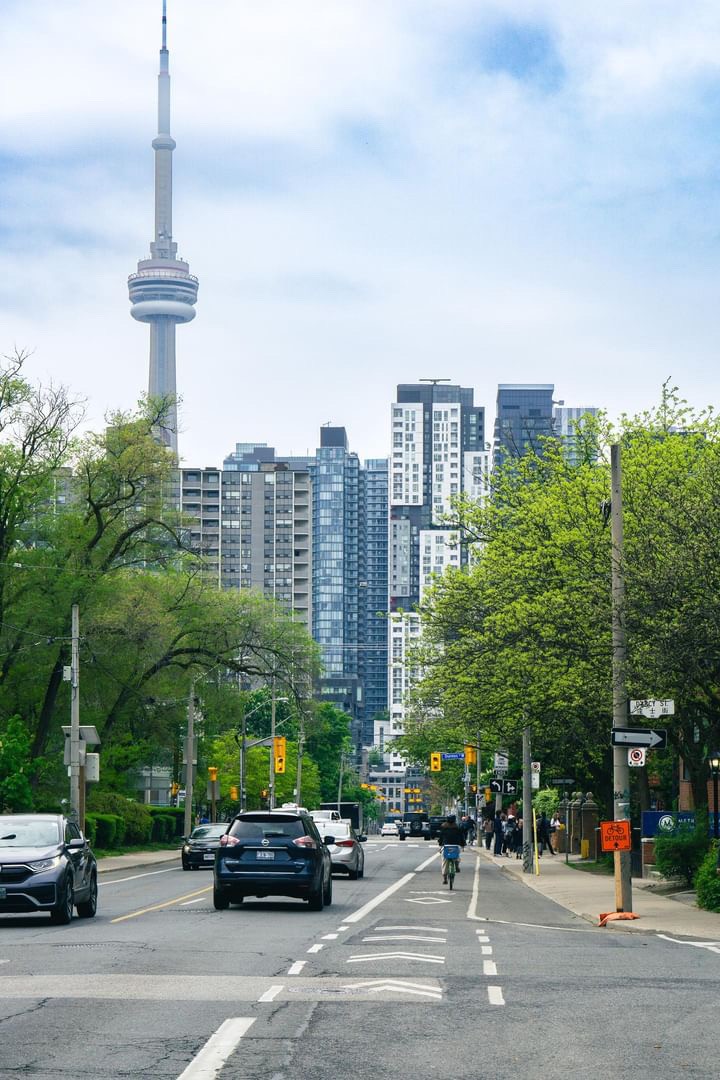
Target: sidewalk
(587,895)
(136,859)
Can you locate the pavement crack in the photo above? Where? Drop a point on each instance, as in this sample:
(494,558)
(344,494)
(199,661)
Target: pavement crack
(27,1011)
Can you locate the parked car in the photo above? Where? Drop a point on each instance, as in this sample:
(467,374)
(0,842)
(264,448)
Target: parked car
(389,829)
(346,852)
(325,815)
(46,865)
(200,847)
(272,853)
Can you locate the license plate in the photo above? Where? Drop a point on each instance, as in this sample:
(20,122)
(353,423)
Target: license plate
(3,892)
(209,857)
(265,854)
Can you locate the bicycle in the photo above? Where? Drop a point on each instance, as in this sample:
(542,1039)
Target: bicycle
(451,854)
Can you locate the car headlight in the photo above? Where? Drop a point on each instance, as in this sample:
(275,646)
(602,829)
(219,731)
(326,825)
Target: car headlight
(44,864)
(186,848)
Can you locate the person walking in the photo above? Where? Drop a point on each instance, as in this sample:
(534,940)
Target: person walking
(543,835)
(498,833)
(450,833)
(518,838)
(487,827)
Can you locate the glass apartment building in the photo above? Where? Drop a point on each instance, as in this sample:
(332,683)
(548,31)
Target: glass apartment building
(523,417)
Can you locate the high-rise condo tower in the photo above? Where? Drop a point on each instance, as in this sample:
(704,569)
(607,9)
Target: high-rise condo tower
(163,292)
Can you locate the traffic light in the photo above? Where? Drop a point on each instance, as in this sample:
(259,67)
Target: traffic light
(174,788)
(435,761)
(488,795)
(470,755)
(473,788)
(279,753)
(212,773)
(264,793)
(234,793)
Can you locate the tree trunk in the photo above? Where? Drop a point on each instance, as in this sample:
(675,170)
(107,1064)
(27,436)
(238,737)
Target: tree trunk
(48,708)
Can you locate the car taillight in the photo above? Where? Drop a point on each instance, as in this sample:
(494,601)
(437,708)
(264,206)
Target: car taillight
(228,841)
(305,842)
(344,843)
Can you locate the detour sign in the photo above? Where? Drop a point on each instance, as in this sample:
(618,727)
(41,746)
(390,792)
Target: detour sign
(615,836)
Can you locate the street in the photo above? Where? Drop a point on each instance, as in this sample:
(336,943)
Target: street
(398,978)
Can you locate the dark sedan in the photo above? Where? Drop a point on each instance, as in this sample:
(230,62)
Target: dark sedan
(271,853)
(46,865)
(200,847)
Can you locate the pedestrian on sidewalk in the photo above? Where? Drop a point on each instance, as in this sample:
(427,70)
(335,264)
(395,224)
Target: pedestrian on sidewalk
(487,827)
(498,833)
(518,838)
(543,835)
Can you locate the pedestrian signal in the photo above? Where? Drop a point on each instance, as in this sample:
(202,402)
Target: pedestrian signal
(435,762)
(470,755)
(279,753)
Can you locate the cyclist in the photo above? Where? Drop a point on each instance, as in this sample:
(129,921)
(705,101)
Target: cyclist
(450,833)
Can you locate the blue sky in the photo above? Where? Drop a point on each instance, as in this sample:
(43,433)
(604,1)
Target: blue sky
(370,192)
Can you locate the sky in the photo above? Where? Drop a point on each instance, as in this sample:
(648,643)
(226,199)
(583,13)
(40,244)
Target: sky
(370,192)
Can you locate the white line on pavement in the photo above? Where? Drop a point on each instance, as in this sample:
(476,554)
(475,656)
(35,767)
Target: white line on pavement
(482,937)
(495,995)
(407,937)
(330,937)
(486,950)
(427,861)
(189,902)
(216,1051)
(4,961)
(426,958)
(316,948)
(297,967)
(489,967)
(472,906)
(372,904)
(711,946)
(432,929)
(272,993)
(343,928)
(135,877)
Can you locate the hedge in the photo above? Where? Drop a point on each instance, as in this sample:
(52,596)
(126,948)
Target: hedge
(707,882)
(176,813)
(163,827)
(108,830)
(678,854)
(137,821)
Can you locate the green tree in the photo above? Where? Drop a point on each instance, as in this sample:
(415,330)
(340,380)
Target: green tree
(15,791)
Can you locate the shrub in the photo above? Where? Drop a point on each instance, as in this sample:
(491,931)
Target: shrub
(90,828)
(163,827)
(679,854)
(176,814)
(105,829)
(707,882)
(138,822)
(546,802)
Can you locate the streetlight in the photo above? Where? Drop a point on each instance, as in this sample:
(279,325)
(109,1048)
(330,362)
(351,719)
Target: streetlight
(715,773)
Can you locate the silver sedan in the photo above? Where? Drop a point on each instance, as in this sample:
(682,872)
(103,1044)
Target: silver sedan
(346,853)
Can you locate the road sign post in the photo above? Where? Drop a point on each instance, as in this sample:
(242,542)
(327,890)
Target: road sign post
(621,772)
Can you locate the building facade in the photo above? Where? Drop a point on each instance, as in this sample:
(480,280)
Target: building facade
(523,417)
(565,421)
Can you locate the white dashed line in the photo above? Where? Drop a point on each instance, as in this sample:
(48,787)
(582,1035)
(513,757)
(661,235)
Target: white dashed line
(216,1051)
(297,967)
(486,950)
(197,901)
(341,928)
(489,967)
(272,993)
(495,995)
(135,877)
(329,937)
(315,948)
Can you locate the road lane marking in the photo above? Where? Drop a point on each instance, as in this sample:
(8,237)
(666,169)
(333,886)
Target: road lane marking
(407,937)
(489,967)
(297,967)
(216,1051)
(157,907)
(340,928)
(397,986)
(482,937)
(432,929)
(427,958)
(376,900)
(315,948)
(135,877)
(189,902)
(495,995)
(711,946)
(486,950)
(4,961)
(427,862)
(472,906)
(330,937)
(272,993)
(428,900)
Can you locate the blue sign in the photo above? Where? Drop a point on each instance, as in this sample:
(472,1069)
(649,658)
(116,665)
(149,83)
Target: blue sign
(457,756)
(665,821)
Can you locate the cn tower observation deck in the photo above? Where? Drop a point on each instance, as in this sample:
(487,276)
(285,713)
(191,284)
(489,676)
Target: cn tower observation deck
(163,292)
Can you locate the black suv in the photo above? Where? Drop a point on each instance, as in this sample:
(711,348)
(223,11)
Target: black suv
(46,865)
(266,853)
(414,828)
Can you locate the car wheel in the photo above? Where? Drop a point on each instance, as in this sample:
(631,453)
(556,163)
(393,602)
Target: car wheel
(237,899)
(221,901)
(62,913)
(327,895)
(316,900)
(353,875)
(185,865)
(86,908)
(361,870)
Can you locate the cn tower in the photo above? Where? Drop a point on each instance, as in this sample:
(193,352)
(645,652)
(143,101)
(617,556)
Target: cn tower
(163,292)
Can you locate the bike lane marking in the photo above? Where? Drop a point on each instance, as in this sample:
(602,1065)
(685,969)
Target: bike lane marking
(209,1061)
(376,900)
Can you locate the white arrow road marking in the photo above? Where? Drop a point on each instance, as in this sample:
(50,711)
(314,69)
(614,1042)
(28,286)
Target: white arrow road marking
(297,967)
(216,1051)
(428,900)
(432,929)
(711,946)
(398,987)
(361,958)
(495,995)
(489,967)
(271,993)
(315,948)
(407,937)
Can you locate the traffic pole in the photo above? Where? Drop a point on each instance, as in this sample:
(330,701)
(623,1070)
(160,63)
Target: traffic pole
(75,714)
(621,771)
(189,754)
(271,783)
(527,803)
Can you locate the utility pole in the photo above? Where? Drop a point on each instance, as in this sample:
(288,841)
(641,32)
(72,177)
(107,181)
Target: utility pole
(75,800)
(301,744)
(527,803)
(190,755)
(241,742)
(478,770)
(271,782)
(340,780)
(621,771)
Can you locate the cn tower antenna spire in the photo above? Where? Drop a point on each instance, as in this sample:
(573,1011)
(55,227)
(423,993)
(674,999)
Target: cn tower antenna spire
(163,292)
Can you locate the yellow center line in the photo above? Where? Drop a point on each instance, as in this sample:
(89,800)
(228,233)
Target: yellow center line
(156,907)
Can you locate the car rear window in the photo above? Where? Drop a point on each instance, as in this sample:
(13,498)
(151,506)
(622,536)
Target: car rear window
(267,829)
(333,828)
(208,830)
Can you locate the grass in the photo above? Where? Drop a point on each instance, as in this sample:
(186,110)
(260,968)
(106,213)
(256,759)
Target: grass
(105,853)
(603,867)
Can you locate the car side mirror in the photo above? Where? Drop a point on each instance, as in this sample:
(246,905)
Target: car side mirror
(362,839)
(329,840)
(76,843)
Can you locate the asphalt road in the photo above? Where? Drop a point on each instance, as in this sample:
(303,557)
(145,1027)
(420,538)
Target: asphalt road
(399,978)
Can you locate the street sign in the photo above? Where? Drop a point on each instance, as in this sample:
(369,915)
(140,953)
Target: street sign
(496,786)
(653,707)
(535,781)
(562,781)
(651,739)
(535,766)
(501,772)
(636,757)
(502,760)
(459,756)
(509,787)
(615,836)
